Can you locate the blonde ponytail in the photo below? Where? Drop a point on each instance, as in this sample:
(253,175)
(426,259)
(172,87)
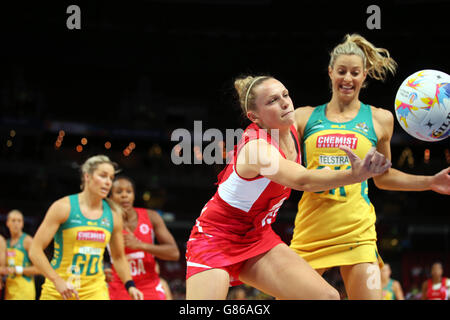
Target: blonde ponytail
(377,61)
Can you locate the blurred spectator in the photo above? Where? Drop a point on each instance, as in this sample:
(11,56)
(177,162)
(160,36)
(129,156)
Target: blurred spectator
(437,287)
(392,289)
(20,282)
(3,269)
(238,293)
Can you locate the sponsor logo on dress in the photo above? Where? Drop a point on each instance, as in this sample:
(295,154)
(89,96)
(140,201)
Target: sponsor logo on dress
(337,139)
(333,160)
(90,250)
(98,236)
(135,255)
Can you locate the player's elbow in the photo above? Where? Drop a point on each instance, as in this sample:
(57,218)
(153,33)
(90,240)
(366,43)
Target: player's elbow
(33,251)
(174,254)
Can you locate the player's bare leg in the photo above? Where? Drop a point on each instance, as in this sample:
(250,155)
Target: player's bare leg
(211,284)
(283,274)
(362,281)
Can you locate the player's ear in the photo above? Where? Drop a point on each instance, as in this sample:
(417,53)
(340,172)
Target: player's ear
(330,71)
(252,116)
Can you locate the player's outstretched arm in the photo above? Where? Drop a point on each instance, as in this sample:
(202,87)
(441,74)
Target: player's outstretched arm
(264,159)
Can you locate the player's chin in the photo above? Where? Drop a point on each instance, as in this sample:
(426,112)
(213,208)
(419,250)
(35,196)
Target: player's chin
(288,119)
(103,193)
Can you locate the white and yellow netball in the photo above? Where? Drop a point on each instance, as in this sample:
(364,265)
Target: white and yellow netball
(422,105)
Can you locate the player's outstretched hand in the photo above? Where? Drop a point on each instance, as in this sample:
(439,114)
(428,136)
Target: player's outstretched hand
(374,163)
(440,182)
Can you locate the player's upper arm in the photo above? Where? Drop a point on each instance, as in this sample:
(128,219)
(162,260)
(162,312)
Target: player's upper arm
(258,157)
(2,251)
(116,247)
(27,242)
(384,124)
(56,215)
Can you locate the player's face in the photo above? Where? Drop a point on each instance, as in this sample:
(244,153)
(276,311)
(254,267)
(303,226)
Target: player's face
(274,107)
(347,76)
(122,192)
(386,272)
(15,223)
(100,181)
(436,270)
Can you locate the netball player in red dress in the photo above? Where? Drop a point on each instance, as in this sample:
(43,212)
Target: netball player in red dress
(140,228)
(232,240)
(437,287)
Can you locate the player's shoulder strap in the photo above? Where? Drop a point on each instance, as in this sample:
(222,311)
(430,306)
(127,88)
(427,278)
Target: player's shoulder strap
(315,121)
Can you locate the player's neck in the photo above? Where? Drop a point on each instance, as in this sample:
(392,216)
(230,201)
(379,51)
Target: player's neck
(15,237)
(279,134)
(337,105)
(130,214)
(90,200)
(436,279)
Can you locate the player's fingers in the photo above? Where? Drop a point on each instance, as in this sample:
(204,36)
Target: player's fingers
(368,158)
(385,166)
(350,154)
(376,161)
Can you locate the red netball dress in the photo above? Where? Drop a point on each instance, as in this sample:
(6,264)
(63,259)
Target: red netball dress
(235,224)
(437,294)
(142,265)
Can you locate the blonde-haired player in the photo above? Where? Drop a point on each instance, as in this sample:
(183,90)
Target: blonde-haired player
(336,227)
(82,225)
(20,281)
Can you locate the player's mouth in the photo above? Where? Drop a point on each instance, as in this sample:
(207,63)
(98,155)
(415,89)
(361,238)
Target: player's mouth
(125,204)
(104,190)
(346,88)
(289,112)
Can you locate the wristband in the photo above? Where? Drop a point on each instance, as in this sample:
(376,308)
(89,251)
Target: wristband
(129,284)
(19,269)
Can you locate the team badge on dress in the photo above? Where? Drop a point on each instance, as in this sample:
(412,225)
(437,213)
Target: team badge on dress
(105,222)
(144,228)
(362,126)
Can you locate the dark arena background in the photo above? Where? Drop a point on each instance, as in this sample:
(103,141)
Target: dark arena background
(136,71)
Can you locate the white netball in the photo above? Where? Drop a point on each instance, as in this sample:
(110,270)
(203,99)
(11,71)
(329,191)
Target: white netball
(422,105)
